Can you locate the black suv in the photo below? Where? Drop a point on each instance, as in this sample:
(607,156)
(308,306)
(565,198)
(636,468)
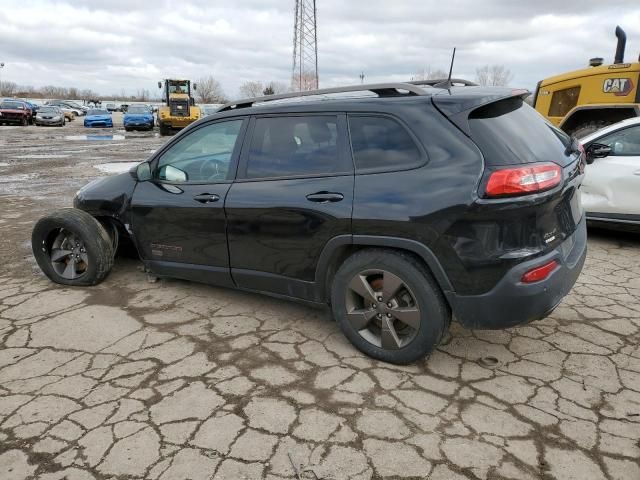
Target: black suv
(401,208)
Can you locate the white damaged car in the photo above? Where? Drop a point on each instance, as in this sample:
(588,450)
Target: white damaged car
(611,188)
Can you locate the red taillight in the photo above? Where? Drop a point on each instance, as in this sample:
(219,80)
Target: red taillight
(523,180)
(539,273)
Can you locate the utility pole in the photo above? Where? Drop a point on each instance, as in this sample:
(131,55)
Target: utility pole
(304,73)
(1,67)
(361,77)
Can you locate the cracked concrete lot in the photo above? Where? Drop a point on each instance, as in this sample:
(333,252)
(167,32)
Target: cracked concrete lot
(175,380)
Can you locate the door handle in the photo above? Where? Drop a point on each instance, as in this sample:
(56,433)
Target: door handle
(325,197)
(206,198)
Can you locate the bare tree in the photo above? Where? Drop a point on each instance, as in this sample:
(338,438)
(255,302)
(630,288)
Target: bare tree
(428,74)
(251,89)
(307,82)
(210,91)
(493,76)
(7,88)
(274,88)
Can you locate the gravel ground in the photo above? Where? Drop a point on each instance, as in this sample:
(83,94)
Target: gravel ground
(175,380)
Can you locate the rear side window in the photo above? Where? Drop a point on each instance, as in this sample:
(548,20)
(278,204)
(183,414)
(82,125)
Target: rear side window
(563,100)
(510,132)
(295,145)
(381,143)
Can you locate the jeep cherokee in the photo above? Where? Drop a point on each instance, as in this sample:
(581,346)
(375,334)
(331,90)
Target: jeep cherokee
(400,208)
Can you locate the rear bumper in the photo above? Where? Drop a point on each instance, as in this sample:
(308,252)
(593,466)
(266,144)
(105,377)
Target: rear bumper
(512,302)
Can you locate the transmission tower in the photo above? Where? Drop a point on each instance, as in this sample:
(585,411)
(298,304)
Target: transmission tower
(304,75)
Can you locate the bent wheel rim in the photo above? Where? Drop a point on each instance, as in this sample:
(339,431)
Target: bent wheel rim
(68,255)
(382,309)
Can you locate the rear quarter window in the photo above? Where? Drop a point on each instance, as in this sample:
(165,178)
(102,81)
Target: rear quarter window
(510,132)
(381,143)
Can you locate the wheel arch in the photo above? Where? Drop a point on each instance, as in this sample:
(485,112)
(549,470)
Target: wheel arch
(339,248)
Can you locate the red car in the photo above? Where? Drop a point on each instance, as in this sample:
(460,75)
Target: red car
(15,112)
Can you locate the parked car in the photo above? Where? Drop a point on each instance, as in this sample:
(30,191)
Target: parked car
(15,112)
(611,188)
(50,115)
(111,107)
(98,118)
(399,211)
(78,110)
(69,114)
(138,117)
(124,107)
(33,107)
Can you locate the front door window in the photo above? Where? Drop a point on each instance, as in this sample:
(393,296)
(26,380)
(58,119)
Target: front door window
(203,156)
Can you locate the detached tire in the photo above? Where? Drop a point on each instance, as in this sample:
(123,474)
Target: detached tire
(72,248)
(389,306)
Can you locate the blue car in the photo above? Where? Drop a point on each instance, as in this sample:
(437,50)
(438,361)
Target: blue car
(98,118)
(138,117)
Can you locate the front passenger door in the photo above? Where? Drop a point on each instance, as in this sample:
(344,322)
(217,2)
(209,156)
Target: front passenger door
(178,217)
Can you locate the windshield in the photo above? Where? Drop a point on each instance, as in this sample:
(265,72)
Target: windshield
(98,112)
(47,110)
(178,86)
(138,109)
(12,105)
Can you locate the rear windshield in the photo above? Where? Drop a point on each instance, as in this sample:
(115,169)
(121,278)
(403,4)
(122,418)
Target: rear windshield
(510,132)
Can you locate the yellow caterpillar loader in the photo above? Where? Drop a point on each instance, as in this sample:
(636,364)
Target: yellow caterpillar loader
(179,109)
(586,100)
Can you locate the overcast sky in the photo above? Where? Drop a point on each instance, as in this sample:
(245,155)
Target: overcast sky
(112,45)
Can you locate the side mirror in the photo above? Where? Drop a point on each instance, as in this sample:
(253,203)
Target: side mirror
(141,172)
(173,174)
(597,150)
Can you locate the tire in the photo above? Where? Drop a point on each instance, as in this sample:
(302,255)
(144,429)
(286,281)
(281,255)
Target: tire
(164,130)
(25,122)
(68,228)
(431,319)
(127,129)
(588,128)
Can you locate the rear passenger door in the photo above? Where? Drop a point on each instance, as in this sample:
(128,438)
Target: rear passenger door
(293,193)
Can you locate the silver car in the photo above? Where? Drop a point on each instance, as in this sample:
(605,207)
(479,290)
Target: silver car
(49,115)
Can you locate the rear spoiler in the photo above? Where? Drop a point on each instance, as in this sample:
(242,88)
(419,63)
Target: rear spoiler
(457,104)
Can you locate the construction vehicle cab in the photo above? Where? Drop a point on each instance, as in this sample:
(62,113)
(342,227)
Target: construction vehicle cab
(583,101)
(179,109)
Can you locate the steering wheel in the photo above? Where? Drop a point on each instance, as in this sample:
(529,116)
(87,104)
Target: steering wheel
(210,169)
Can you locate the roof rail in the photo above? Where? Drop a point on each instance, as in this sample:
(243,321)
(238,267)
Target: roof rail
(382,89)
(434,82)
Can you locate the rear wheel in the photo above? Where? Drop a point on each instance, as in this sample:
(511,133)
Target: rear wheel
(388,305)
(72,247)
(25,122)
(164,129)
